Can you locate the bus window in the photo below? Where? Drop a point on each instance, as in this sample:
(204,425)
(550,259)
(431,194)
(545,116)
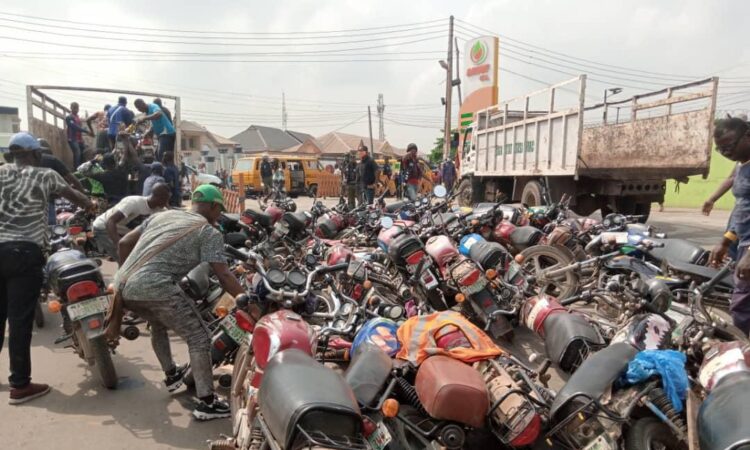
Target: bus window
(244,164)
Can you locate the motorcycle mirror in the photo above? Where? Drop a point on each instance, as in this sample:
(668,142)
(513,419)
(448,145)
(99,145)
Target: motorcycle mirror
(440,191)
(386,222)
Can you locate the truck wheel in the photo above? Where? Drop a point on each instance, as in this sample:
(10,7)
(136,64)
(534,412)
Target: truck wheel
(465,194)
(643,209)
(103,362)
(532,194)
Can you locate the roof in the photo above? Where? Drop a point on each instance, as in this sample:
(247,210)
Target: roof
(221,140)
(188,125)
(336,143)
(8,110)
(258,138)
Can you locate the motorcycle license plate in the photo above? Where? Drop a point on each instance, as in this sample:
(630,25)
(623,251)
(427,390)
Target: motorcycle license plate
(380,438)
(88,307)
(428,279)
(474,288)
(600,443)
(229,325)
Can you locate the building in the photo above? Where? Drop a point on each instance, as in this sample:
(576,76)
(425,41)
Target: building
(198,145)
(10,123)
(259,139)
(334,145)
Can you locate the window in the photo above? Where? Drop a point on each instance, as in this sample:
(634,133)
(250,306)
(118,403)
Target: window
(191,143)
(244,164)
(183,144)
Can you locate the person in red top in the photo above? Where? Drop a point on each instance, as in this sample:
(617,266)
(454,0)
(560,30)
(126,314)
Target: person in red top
(412,171)
(74,132)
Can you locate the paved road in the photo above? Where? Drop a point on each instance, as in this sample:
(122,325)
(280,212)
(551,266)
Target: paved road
(140,414)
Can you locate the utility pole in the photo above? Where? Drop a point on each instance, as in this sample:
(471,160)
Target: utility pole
(448,92)
(283,111)
(458,72)
(381,110)
(369,119)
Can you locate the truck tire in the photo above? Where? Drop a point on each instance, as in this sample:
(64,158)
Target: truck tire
(532,194)
(103,362)
(465,193)
(312,191)
(643,209)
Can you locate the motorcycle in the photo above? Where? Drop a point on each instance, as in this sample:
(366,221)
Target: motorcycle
(83,300)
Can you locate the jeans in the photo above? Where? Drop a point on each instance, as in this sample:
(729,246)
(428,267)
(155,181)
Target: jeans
(21,277)
(77,149)
(105,243)
(176,314)
(351,195)
(369,195)
(411,192)
(166,144)
(739,306)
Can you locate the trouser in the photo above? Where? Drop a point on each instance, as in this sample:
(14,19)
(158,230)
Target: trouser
(105,243)
(351,195)
(739,307)
(369,195)
(411,192)
(21,277)
(448,185)
(267,185)
(51,213)
(77,149)
(166,144)
(176,314)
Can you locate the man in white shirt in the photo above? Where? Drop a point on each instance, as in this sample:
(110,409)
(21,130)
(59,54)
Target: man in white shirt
(112,225)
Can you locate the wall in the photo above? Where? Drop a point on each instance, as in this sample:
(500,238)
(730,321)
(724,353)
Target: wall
(694,193)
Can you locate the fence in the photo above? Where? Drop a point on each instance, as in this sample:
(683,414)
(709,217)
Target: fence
(234,200)
(329,187)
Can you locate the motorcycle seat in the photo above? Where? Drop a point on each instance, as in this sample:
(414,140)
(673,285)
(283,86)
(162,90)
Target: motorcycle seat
(368,372)
(196,282)
(679,250)
(263,219)
(452,390)
(723,422)
(297,220)
(235,239)
(566,336)
(396,206)
(525,237)
(298,392)
(69,266)
(701,271)
(592,379)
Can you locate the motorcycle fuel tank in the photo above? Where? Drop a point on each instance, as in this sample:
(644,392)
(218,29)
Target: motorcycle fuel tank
(279,331)
(441,249)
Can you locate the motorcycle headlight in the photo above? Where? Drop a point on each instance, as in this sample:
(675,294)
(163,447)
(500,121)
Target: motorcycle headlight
(59,230)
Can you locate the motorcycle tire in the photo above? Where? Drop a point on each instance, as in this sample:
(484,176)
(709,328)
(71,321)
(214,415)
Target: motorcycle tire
(237,395)
(39,315)
(646,432)
(547,256)
(103,362)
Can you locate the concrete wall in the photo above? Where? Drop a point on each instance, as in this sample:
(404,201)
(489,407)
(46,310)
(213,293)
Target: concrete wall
(694,193)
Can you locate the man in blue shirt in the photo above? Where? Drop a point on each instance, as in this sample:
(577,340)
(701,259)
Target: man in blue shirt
(160,126)
(119,115)
(732,137)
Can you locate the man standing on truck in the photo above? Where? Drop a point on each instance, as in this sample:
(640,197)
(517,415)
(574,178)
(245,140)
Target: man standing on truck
(266,174)
(118,116)
(25,190)
(412,172)
(168,113)
(160,126)
(732,138)
(74,132)
(102,126)
(368,174)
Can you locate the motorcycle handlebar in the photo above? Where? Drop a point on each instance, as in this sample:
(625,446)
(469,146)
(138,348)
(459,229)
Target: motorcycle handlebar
(706,287)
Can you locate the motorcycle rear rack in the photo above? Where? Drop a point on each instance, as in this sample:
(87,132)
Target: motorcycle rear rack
(320,439)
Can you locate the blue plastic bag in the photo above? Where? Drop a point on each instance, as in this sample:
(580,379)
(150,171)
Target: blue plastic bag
(668,364)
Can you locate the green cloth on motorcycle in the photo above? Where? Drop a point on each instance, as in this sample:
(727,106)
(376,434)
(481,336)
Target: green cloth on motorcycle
(667,364)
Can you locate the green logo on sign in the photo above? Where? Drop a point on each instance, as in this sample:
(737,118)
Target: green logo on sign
(478,52)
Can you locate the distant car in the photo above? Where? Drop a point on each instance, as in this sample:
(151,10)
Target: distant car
(200,178)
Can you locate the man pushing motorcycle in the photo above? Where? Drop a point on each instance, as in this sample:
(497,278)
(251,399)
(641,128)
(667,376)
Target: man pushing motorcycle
(164,249)
(732,137)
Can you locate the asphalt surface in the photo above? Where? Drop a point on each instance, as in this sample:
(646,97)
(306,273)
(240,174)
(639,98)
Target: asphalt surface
(141,414)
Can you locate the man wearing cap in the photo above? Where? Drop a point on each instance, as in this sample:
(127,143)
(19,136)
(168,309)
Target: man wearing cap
(164,249)
(25,190)
(118,116)
(411,171)
(161,126)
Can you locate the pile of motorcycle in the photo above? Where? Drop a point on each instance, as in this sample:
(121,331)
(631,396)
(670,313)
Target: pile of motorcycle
(389,327)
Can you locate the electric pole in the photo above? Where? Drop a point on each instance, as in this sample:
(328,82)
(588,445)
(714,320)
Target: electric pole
(448,92)
(283,111)
(458,73)
(381,110)
(369,119)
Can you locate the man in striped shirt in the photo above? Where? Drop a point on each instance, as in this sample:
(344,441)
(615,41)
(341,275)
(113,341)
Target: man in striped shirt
(25,189)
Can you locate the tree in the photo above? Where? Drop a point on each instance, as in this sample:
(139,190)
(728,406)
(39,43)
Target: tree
(436,154)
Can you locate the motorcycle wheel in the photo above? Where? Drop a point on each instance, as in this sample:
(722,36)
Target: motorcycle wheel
(651,434)
(541,257)
(103,362)
(39,315)
(237,394)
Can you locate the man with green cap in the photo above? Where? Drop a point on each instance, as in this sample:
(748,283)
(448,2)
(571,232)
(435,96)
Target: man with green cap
(154,256)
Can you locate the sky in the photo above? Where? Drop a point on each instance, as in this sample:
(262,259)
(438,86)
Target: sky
(230,61)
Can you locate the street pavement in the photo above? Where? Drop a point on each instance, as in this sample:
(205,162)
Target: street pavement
(141,414)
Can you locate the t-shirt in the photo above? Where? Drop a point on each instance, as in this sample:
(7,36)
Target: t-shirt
(157,278)
(117,115)
(150,182)
(131,207)
(114,182)
(54,163)
(739,222)
(162,125)
(24,198)
(73,128)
